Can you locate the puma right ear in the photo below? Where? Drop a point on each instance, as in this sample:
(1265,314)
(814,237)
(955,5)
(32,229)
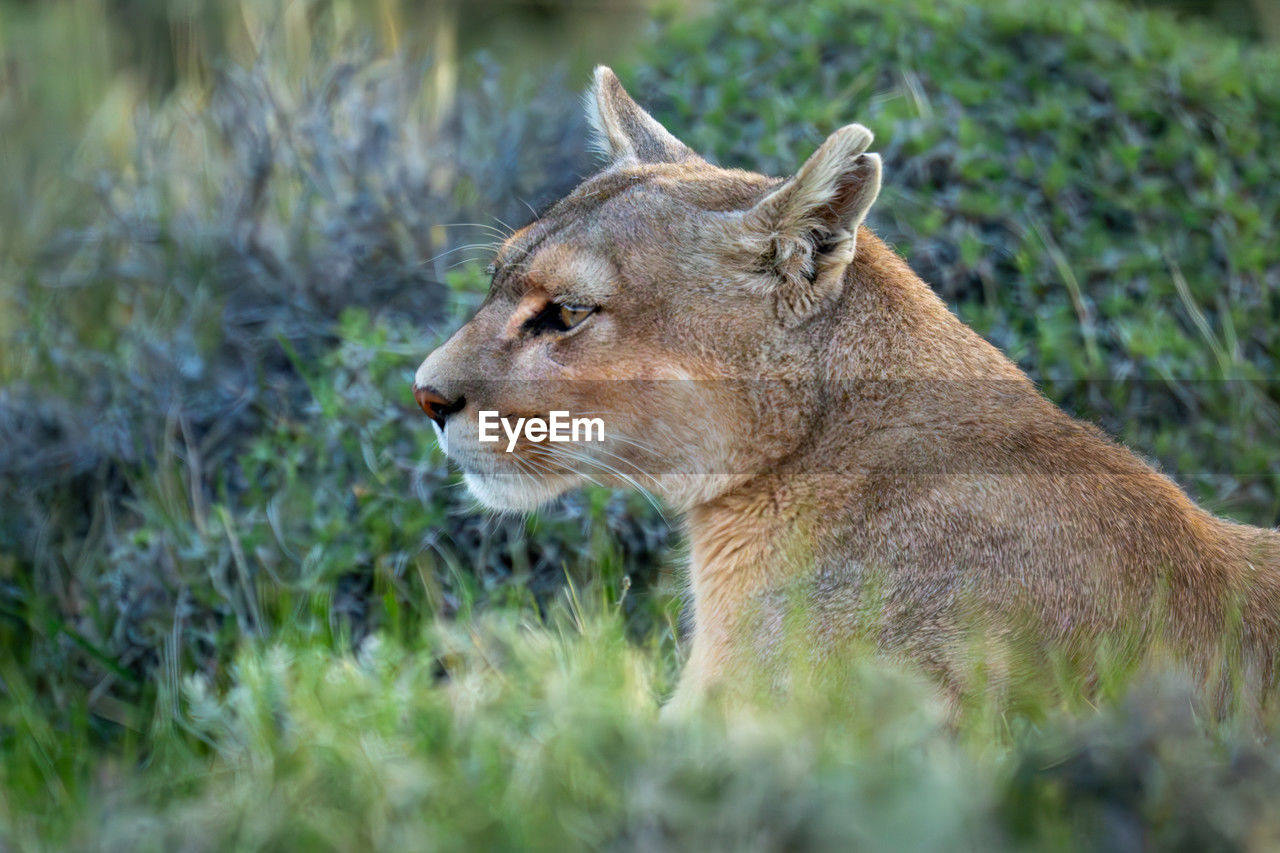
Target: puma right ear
(806,230)
(621,130)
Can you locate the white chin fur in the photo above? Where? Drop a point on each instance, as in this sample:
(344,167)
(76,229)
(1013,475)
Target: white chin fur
(513,493)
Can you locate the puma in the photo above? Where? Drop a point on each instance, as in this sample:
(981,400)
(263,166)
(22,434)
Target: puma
(772,371)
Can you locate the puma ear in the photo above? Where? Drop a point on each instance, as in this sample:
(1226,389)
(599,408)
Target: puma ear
(807,228)
(621,130)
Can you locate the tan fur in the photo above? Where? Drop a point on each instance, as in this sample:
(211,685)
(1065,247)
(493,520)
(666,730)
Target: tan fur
(771,369)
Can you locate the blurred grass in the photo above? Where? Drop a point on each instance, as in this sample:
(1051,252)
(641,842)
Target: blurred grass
(507,732)
(243,602)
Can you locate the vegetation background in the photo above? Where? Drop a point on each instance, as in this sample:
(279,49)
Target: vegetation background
(243,603)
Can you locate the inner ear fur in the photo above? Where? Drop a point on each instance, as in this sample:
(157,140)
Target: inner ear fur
(621,130)
(806,230)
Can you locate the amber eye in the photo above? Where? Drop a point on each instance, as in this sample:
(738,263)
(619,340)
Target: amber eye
(559,318)
(572,315)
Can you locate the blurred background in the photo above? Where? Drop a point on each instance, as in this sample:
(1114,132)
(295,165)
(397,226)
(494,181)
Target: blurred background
(230,231)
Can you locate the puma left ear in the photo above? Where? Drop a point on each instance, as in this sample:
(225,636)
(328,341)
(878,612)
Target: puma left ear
(622,130)
(807,228)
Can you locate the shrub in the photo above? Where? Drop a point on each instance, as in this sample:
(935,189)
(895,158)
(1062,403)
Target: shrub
(208,432)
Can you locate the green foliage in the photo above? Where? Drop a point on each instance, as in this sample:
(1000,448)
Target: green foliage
(205,434)
(507,732)
(508,735)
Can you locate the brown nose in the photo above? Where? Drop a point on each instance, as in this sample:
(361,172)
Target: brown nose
(437,407)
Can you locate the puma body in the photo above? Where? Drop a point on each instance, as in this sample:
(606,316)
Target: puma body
(769,368)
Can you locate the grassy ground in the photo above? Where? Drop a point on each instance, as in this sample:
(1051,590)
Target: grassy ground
(242,600)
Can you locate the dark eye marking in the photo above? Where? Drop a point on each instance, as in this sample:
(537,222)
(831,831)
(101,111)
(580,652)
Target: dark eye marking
(557,318)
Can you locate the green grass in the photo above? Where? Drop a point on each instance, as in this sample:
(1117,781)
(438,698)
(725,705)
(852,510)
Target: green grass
(508,731)
(244,602)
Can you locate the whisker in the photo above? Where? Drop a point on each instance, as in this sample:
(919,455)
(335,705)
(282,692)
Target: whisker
(582,474)
(580,457)
(492,228)
(489,246)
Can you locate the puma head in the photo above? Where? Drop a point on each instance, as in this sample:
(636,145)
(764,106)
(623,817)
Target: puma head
(681,302)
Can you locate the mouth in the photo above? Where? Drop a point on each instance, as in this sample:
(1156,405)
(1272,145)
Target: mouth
(441,438)
(505,481)
(514,490)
